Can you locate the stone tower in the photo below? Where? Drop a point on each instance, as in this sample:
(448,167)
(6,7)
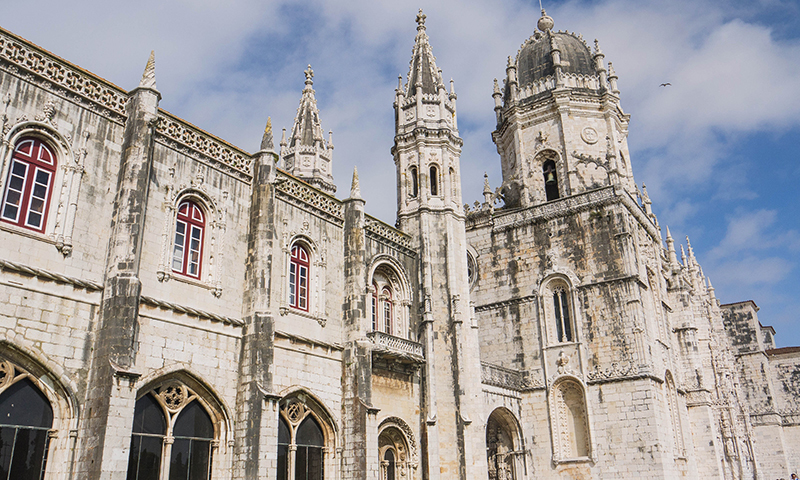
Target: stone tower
(426,153)
(560,128)
(307,155)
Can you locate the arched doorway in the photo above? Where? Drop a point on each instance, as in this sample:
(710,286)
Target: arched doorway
(502,445)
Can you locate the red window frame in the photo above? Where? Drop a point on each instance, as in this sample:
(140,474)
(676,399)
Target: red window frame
(374,307)
(299,272)
(29,185)
(187,248)
(386,304)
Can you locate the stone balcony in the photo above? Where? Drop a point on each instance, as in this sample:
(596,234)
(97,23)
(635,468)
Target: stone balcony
(396,349)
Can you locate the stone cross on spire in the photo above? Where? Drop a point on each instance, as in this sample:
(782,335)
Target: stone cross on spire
(421,20)
(309,76)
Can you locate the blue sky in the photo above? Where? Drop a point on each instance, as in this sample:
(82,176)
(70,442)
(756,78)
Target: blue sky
(718,150)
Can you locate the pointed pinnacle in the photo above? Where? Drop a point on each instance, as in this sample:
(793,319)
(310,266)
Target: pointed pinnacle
(669,235)
(267,142)
(486,187)
(355,189)
(149,75)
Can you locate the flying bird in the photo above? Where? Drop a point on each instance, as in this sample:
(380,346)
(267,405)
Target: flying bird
(665,85)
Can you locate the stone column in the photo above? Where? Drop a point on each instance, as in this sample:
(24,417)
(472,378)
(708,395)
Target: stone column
(111,392)
(357,355)
(256,431)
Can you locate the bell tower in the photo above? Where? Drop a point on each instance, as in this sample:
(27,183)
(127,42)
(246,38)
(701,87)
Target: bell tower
(426,153)
(560,127)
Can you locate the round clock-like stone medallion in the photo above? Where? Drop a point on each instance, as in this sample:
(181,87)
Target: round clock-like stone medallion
(589,135)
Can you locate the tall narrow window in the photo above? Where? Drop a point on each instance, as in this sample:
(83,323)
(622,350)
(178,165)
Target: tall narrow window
(29,185)
(374,307)
(562,315)
(414,181)
(386,300)
(187,249)
(434,178)
(25,418)
(550,180)
(190,458)
(389,463)
(453,184)
(570,421)
(298,278)
(147,440)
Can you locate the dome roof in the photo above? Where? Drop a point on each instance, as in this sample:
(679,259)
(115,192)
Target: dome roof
(534,61)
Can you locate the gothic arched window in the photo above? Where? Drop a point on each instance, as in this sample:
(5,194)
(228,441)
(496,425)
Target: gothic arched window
(173,435)
(550,180)
(25,420)
(187,250)
(434,179)
(299,277)
(301,443)
(29,184)
(561,312)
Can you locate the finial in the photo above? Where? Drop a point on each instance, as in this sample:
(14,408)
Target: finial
(545,22)
(309,76)
(330,139)
(283,138)
(645,196)
(355,189)
(496,87)
(597,47)
(149,75)
(400,82)
(669,235)
(452,87)
(509,63)
(266,141)
(611,72)
(683,256)
(486,187)
(421,20)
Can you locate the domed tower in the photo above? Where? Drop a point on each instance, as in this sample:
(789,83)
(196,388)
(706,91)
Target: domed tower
(560,128)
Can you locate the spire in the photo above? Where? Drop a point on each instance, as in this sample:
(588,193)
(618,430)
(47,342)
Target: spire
(355,189)
(267,143)
(673,258)
(423,71)
(149,75)
(307,156)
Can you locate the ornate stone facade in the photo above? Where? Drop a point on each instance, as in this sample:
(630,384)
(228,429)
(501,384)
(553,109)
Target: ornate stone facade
(166,296)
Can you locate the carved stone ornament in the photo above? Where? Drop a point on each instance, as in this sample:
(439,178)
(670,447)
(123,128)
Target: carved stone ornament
(174,395)
(6,374)
(295,411)
(589,135)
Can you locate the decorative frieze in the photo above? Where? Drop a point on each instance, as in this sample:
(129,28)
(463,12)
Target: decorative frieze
(67,77)
(558,208)
(497,376)
(307,197)
(196,143)
(383,233)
